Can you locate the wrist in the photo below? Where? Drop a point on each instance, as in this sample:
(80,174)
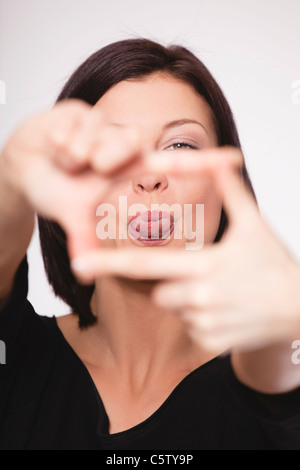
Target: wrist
(12,200)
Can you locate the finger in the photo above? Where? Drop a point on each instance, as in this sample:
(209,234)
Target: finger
(189,294)
(79,227)
(212,320)
(193,161)
(65,121)
(115,148)
(225,165)
(145,264)
(73,206)
(82,140)
(63,116)
(233,331)
(82,137)
(239,204)
(242,339)
(82,237)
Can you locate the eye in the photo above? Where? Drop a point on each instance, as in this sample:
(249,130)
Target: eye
(181,145)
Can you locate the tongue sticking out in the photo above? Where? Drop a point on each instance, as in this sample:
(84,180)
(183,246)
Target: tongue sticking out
(154,229)
(151,229)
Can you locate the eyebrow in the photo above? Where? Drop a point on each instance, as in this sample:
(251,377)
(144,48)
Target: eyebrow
(181,122)
(171,124)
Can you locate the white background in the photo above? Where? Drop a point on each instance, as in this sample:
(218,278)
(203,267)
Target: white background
(252,47)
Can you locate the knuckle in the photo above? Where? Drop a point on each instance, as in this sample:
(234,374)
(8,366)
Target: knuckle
(199,295)
(192,294)
(71,105)
(206,323)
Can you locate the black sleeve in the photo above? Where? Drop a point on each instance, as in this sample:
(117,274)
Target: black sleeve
(278,415)
(12,315)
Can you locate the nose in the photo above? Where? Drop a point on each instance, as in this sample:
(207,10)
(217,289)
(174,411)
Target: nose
(150,183)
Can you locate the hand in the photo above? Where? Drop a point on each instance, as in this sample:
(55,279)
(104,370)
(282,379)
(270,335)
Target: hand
(62,161)
(240,293)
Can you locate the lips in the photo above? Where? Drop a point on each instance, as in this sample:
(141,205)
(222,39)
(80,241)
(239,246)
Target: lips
(152,226)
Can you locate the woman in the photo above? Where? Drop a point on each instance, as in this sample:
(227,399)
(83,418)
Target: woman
(133,368)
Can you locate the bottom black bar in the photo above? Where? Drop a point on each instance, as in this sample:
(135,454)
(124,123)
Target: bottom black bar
(144,459)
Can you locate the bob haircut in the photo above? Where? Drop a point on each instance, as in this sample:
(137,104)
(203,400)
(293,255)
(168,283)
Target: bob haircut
(125,60)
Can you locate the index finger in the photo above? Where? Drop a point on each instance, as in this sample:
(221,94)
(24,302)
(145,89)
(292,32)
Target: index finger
(144,264)
(194,161)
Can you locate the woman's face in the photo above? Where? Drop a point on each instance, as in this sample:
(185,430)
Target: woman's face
(169,116)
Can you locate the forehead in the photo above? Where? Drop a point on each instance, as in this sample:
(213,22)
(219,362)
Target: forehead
(154,100)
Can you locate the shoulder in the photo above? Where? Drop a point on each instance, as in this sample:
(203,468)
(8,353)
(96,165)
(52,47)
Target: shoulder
(68,325)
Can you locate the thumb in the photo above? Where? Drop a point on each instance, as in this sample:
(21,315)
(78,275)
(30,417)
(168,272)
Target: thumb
(238,201)
(81,236)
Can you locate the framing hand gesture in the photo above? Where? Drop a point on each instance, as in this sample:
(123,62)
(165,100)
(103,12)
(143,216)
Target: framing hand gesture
(240,293)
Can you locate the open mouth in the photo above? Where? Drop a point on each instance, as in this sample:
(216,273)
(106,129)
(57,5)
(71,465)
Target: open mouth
(151,227)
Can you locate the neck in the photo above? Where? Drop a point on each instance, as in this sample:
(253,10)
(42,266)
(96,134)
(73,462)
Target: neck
(136,337)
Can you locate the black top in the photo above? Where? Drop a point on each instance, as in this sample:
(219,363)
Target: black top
(49,401)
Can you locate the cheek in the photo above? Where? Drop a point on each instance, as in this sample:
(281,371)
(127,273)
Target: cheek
(213,211)
(204,193)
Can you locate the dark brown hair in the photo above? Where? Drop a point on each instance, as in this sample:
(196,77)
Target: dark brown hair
(123,60)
